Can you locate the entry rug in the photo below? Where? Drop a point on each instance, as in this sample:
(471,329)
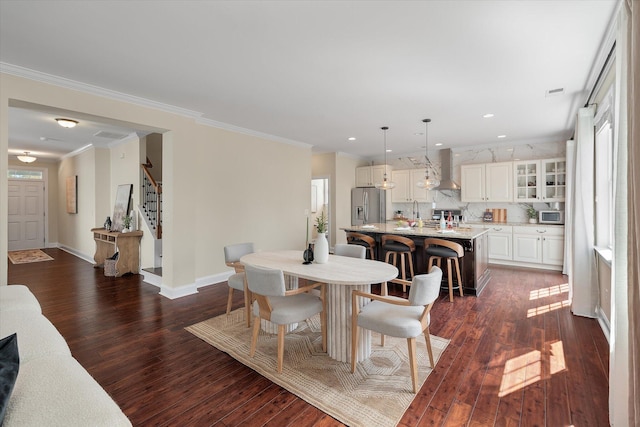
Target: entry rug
(29,255)
(377,394)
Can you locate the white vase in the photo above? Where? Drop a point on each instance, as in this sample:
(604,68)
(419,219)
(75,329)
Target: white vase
(532,221)
(321,249)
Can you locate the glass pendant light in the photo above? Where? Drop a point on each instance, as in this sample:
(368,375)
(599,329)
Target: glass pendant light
(385,184)
(427,183)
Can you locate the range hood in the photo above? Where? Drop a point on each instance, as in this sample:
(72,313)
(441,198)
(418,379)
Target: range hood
(446,168)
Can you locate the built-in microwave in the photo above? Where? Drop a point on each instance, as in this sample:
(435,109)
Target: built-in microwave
(551,217)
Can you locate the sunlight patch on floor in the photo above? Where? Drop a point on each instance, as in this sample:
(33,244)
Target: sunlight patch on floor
(550,291)
(542,309)
(531,367)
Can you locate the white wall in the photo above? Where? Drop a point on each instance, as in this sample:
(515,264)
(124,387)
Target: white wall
(219,187)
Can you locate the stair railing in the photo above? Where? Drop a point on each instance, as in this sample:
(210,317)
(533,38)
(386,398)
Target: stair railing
(152,199)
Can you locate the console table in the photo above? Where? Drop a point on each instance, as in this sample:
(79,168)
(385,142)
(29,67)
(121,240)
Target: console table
(127,244)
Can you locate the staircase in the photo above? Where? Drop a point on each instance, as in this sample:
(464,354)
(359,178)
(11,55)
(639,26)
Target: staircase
(151,200)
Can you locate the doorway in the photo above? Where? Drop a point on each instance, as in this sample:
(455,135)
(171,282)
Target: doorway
(320,204)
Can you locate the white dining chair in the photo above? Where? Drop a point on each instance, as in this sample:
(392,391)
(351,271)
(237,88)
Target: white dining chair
(398,317)
(273,302)
(353,251)
(237,281)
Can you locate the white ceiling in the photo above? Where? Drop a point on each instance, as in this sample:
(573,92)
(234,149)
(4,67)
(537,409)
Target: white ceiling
(319,72)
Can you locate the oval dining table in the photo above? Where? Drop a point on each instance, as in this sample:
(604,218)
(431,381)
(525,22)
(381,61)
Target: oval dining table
(342,275)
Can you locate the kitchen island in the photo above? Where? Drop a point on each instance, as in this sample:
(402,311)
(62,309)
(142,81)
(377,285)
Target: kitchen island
(474,264)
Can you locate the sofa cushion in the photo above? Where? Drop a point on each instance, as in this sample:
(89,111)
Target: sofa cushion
(18,297)
(9,366)
(57,391)
(38,336)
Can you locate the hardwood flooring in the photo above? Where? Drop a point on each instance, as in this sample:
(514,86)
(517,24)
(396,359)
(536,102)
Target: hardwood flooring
(517,355)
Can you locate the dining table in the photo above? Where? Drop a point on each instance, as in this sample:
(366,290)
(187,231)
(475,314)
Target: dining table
(342,275)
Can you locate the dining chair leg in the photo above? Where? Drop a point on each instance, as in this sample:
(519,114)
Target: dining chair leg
(247,306)
(254,336)
(411,342)
(229,300)
(458,275)
(280,347)
(427,339)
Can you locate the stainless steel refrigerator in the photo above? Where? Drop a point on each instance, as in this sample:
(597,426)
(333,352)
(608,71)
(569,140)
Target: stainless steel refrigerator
(368,206)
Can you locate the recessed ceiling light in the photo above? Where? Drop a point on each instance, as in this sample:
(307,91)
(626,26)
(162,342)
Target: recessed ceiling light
(438,144)
(488,115)
(419,134)
(509,149)
(389,150)
(502,136)
(352,138)
(67,123)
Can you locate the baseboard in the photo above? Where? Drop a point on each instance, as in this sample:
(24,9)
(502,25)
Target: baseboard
(213,279)
(76,253)
(182,291)
(526,265)
(604,323)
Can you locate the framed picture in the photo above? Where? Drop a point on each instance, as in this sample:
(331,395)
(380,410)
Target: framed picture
(72,194)
(122,206)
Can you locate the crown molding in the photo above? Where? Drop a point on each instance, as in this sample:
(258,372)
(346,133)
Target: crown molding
(250,132)
(38,76)
(77,152)
(27,73)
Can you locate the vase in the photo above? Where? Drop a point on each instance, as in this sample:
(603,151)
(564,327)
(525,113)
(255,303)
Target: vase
(532,220)
(321,249)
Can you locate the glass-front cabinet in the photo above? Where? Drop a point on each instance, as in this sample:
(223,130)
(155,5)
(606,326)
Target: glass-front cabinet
(540,180)
(554,183)
(526,181)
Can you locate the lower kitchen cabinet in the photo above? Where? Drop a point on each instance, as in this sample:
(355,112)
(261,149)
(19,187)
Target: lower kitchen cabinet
(500,239)
(539,245)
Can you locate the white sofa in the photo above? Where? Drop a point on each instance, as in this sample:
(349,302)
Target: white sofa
(52,388)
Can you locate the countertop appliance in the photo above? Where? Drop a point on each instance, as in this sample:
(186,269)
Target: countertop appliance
(368,206)
(551,217)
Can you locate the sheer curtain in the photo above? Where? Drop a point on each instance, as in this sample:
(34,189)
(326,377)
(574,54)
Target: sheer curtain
(624,383)
(583,286)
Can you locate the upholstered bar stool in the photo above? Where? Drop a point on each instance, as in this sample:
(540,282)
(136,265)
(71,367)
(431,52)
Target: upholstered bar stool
(368,242)
(436,249)
(395,245)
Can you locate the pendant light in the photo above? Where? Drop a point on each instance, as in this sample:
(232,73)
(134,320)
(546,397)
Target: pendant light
(385,184)
(26,158)
(427,183)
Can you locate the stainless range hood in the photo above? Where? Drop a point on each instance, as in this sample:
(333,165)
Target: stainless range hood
(446,169)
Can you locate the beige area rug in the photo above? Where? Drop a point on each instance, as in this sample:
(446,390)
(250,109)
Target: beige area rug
(29,255)
(377,394)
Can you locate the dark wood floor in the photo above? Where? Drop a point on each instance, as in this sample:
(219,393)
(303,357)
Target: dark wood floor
(517,356)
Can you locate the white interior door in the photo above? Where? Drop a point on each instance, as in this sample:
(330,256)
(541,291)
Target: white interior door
(26,214)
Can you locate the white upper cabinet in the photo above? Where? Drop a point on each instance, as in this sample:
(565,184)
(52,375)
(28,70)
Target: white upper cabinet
(368,176)
(406,190)
(539,180)
(489,182)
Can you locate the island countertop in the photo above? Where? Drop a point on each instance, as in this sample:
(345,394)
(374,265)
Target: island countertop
(463,233)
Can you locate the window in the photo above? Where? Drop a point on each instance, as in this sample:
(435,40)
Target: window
(604,173)
(25,174)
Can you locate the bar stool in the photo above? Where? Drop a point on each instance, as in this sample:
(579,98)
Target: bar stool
(368,242)
(395,245)
(436,249)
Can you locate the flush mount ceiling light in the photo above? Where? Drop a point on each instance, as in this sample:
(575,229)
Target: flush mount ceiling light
(26,158)
(385,184)
(427,183)
(67,123)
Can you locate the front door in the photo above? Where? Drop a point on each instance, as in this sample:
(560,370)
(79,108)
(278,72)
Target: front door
(26,214)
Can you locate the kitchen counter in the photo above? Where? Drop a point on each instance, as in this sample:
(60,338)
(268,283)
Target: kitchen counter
(474,240)
(467,233)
